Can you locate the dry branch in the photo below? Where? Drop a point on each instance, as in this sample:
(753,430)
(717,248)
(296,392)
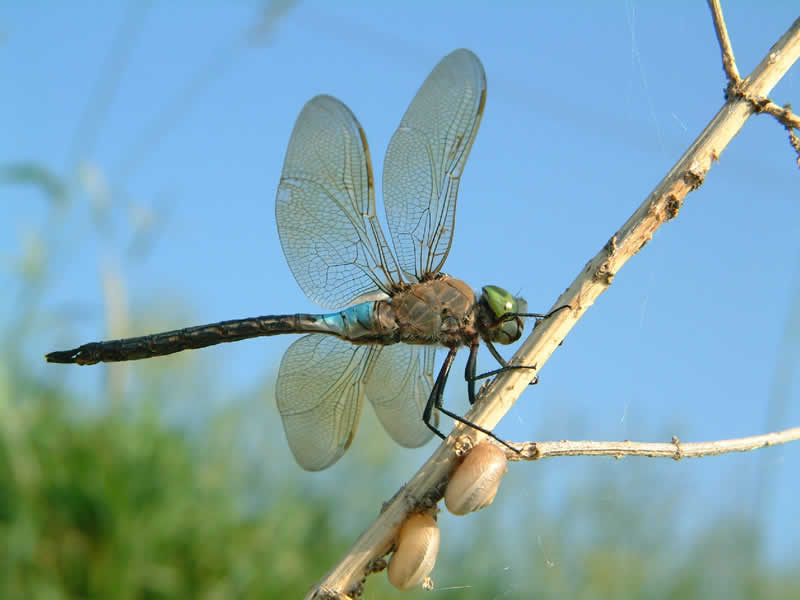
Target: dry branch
(663,203)
(675,449)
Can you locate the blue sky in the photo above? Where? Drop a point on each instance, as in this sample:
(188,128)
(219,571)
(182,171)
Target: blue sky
(589,105)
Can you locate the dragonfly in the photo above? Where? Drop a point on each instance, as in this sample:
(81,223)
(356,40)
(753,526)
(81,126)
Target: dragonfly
(393,305)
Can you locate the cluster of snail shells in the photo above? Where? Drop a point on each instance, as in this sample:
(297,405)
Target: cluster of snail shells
(472,486)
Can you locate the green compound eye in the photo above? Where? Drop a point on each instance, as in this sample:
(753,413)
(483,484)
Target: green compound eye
(499,300)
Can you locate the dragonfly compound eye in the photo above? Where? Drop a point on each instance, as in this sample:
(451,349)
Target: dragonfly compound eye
(508,331)
(474,483)
(499,301)
(417,547)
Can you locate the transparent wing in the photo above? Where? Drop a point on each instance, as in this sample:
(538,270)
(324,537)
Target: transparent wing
(398,388)
(320,391)
(325,208)
(425,159)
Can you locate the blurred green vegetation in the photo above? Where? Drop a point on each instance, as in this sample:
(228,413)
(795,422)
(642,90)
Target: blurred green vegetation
(109,506)
(118,504)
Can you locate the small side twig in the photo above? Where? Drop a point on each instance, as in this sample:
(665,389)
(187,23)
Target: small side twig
(795,142)
(783,114)
(786,117)
(728,61)
(675,449)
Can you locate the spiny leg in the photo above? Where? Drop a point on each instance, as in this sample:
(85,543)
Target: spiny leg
(536,316)
(435,397)
(505,366)
(436,400)
(469,372)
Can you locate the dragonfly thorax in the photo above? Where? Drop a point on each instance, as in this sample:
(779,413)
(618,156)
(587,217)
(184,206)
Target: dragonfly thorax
(441,311)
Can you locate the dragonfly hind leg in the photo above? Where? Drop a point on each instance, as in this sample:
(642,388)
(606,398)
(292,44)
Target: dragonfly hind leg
(435,400)
(435,397)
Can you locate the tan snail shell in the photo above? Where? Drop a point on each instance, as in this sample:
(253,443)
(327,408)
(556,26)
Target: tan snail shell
(474,483)
(417,547)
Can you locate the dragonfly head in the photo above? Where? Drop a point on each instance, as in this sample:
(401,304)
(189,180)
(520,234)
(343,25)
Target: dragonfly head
(499,317)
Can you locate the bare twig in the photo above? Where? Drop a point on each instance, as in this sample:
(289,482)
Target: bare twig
(787,118)
(663,203)
(728,61)
(675,449)
(736,88)
(794,140)
(783,114)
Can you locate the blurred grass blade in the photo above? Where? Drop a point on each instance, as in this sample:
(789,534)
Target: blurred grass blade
(35,174)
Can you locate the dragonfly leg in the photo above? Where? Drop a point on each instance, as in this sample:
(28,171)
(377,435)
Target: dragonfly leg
(437,392)
(503,370)
(435,401)
(537,316)
(497,356)
(469,372)
(472,362)
(505,366)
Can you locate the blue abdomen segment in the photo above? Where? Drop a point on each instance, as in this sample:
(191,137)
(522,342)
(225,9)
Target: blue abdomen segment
(353,323)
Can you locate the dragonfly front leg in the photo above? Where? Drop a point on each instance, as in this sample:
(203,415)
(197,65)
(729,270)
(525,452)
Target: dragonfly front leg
(436,397)
(471,377)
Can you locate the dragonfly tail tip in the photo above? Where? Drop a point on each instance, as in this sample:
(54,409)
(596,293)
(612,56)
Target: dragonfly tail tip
(61,356)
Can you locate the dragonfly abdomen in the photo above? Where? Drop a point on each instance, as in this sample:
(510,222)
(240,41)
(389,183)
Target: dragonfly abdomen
(343,324)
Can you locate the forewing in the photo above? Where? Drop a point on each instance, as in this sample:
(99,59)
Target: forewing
(325,208)
(398,388)
(425,159)
(320,391)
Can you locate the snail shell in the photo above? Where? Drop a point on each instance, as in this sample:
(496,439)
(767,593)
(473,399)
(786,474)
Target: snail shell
(474,483)
(417,547)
